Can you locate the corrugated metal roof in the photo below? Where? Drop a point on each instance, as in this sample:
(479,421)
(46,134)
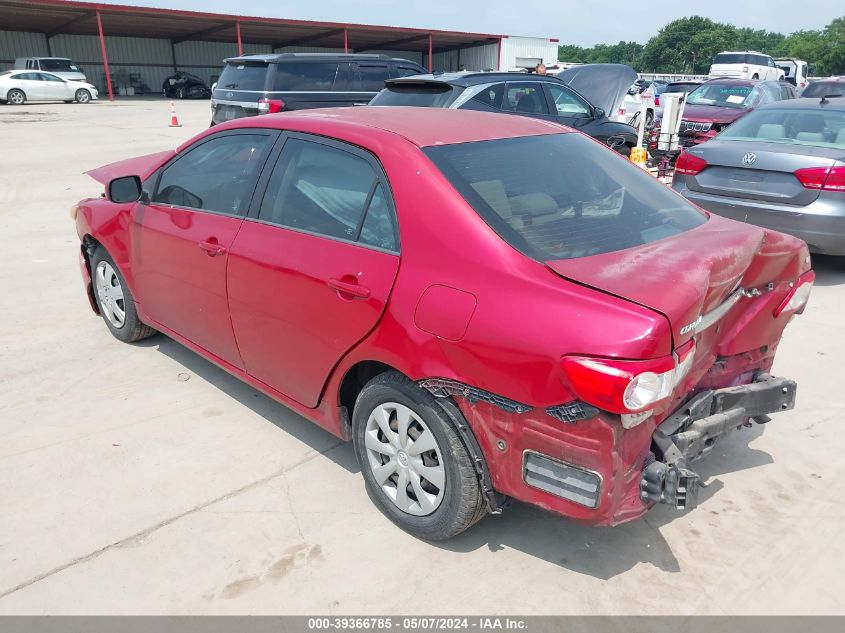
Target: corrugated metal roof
(55,17)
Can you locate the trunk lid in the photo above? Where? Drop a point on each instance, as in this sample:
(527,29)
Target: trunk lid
(759,170)
(689,275)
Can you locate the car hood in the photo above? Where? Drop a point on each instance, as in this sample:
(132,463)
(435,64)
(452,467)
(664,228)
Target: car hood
(603,85)
(690,274)
(712,114)
(141,166)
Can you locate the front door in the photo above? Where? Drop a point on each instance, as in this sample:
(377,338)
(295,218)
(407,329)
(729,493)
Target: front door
(312,267)
(181,239)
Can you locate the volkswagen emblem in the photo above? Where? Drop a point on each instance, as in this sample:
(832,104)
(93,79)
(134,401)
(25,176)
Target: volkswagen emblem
(749,158)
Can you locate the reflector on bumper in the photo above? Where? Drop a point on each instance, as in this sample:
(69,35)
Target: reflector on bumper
(561,479)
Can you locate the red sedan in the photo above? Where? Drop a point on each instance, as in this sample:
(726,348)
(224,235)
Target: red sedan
(487,306)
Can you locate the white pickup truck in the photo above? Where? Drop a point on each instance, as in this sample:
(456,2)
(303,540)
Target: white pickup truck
(795,71)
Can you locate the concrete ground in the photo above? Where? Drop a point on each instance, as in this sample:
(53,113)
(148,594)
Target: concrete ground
(141,479)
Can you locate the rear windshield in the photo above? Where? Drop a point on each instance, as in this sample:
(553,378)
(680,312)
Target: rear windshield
(730,58)
(822,128)
(823,89)
(59,65)
(243,76)
(563,196)
(682,87)
(728,96)
(434,96)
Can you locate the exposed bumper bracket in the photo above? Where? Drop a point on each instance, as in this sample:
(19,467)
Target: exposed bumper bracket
(694,428)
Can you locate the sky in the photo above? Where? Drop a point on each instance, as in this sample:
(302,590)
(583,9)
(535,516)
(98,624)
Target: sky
(583,22)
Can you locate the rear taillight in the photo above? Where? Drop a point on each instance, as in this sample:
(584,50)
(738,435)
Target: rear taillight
(269,106)
(688,164)
(657,100)
(797,298)
(626,386)
(823,178)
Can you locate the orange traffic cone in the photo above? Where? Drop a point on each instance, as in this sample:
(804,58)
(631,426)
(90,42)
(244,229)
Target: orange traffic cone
(174,120)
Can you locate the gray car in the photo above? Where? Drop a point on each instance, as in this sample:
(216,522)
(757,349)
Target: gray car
(781,167)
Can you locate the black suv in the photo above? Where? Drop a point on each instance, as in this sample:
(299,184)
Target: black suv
(261,84)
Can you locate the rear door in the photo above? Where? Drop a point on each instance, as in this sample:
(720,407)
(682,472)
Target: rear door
(32,86)
(311,270)
(180,241)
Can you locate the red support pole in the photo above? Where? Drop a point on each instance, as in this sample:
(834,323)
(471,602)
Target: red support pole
(105,57)
(499,55)
(430,48)
(345,40)
(240,44)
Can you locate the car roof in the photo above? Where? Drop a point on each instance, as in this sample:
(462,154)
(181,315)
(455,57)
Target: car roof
(807,103)
(423,127)
(472,79)
(275,58)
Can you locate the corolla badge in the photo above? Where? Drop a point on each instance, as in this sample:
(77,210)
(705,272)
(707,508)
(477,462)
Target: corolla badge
(749,158)
(689,327)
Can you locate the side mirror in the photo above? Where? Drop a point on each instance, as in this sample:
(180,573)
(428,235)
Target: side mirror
(598,113)
(125,189)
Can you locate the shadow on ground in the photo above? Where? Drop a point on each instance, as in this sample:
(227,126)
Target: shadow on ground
(830,271)
(599,552)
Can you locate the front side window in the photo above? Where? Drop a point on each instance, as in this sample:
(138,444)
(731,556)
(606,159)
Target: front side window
(525,98)
(567,103)
(217,175)
(562,196)
(305,76)
(328,191)
(59,65)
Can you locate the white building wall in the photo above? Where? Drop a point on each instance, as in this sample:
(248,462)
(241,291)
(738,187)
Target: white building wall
(522,51)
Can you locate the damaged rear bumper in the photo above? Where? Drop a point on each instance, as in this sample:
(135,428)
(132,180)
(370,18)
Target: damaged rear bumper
(694,429)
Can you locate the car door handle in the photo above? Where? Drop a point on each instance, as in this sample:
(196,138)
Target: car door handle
(359,292)
(211,248)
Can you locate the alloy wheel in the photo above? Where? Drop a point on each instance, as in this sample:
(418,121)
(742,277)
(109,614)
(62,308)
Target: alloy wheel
(16,97)
(110,295)
(405,459)
(82,96)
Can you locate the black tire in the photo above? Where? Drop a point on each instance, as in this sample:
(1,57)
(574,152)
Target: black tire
(462,504)
(132,328)
(82,96)
(15,97)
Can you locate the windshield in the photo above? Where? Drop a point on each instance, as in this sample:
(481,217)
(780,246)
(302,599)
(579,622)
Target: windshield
(59,65)
(243,76)
(821,128)
(724,95)
(562,196)
(823,89)
(427,96)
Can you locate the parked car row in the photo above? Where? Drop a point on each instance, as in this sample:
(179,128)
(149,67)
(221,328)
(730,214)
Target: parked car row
(484,300)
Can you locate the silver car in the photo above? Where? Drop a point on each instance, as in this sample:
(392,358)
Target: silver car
(782,167)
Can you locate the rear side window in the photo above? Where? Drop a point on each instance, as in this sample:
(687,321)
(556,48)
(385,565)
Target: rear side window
(525,98)
(407,71)
(372,77)
(328,191)
(422,95)
(243,76)
(563,196)
(305,76)
(218,175)
(490,96)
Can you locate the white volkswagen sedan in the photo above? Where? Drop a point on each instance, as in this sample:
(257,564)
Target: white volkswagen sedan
(19,86)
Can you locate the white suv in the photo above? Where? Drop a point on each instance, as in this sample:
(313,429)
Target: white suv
(744,65)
